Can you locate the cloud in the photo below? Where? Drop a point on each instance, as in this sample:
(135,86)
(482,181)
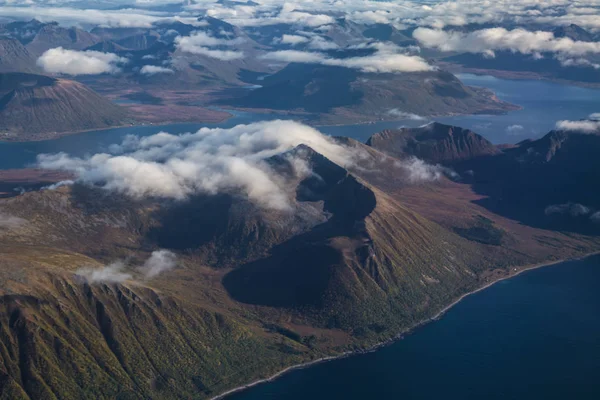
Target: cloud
(10,221)
(583,126)
(419,171)
(594,116)
(209,161)
(72,62)
(154,69)
(159,261)
(70,16)
(293,39)
(487,41)
(385,60)
(405,116)
(515,130)
(113,273)
(572,209)
(200,43)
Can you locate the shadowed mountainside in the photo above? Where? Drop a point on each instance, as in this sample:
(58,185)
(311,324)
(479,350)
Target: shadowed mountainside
(435,143)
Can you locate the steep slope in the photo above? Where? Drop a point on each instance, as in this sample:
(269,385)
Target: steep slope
(434,143)
(52,35)
(355,261)
(14,57)
(33,107)
(548,182)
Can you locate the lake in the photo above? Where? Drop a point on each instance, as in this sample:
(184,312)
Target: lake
(543,104)
(535,336)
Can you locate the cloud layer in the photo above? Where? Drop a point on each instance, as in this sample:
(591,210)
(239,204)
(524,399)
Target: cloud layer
(208,161)
(488,41)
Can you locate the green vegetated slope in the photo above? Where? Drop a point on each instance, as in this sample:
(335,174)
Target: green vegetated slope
(255,291)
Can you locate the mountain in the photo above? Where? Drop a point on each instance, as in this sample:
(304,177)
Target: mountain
(52,35)
(540,182)
(574,32)
(24,31)
(337,94)
(14,57)
(138,42)
(33,107)
(364,253)
(435,143)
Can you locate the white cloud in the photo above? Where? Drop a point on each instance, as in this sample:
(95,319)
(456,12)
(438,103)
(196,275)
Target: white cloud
(419,171)
(405,116)
(487,41)
(154,69)
(200,43)
(77,16)
(159,261)
(572,209)
(72,62)
(208,161)
(583,126)
(386,59)
(293,39)
(113,273)
(515,130)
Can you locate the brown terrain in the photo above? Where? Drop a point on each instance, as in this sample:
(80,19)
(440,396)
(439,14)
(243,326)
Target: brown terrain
(366,253)
(37,107)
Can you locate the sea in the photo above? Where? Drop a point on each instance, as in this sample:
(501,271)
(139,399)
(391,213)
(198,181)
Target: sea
(535,336)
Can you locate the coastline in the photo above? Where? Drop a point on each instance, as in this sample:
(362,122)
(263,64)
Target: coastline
(400,335)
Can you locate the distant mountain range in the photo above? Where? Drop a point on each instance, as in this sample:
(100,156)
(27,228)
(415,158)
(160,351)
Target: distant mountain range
(34,107)
(369,250)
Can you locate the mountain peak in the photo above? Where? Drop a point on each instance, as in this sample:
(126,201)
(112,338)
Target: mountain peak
(434,143)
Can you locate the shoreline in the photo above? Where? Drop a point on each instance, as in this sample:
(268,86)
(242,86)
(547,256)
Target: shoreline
(401,334)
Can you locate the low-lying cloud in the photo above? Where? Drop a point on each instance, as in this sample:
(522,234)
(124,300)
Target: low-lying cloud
(574,210)
(201,43)
(418,171)
(583,126)
(159,261)
(209,161)
(72,62)
(155,69)
(405,115)
(387,59)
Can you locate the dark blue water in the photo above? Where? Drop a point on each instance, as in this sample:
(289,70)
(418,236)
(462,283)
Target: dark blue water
(536,336)
(544,103)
